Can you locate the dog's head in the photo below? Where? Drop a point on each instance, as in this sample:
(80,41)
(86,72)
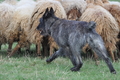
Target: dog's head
(45,22)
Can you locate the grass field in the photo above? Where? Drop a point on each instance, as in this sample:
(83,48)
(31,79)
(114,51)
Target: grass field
(26,66)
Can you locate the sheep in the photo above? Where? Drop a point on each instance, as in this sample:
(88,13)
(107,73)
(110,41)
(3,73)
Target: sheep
(38,12)
(107,26)
(73,8)
(20,25)
(105,1)
(114,9)
(12,2)
(6,13)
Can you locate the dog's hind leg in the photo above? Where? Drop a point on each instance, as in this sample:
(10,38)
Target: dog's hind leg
(96,43)
(55,55)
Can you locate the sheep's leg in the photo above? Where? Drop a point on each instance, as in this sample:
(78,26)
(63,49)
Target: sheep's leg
(15,49)
(118,49)
(118,53)
(112,55)
(10,43)
(45,46)
(46,50)
(96,59)
(38,46)
(10,47)
(28,49)
(51,50)
(0,46)
(116,56)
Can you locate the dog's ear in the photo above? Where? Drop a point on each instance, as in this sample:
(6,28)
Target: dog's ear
(46,13)
(51,10)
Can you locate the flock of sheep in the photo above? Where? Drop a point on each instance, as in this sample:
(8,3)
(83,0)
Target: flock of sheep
(19,19)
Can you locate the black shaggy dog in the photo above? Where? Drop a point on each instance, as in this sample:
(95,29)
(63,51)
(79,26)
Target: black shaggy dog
(71,36)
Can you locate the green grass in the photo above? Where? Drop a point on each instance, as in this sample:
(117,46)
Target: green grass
(27,67)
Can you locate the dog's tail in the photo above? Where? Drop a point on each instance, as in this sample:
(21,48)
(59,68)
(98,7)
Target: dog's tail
(92,25)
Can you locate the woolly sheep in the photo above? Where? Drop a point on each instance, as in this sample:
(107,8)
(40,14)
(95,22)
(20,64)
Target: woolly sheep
(20,25)
(12,2)
(107,26)
(114,8)
(6,13)
(73,8)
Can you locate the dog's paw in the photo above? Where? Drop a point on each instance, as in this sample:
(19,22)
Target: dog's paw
(75,69)
(48,60)
(113,72)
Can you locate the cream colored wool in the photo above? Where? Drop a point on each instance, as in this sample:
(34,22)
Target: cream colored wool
(71,4)
(20,24)
(107,26)
(114,9)
(6,13)
(90,1)
(73,8)
(105,1)
(12,2)
(95,2)
(22,2)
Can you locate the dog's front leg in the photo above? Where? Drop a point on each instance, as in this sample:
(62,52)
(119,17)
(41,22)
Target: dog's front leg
(55,55)
(76,59)
(77,62)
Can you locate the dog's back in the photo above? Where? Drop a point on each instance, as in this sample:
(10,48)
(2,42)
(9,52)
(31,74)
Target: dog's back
(71,24)
(68,26)
(64,31)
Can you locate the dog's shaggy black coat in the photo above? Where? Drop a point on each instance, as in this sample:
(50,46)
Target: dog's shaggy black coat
(71,36)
